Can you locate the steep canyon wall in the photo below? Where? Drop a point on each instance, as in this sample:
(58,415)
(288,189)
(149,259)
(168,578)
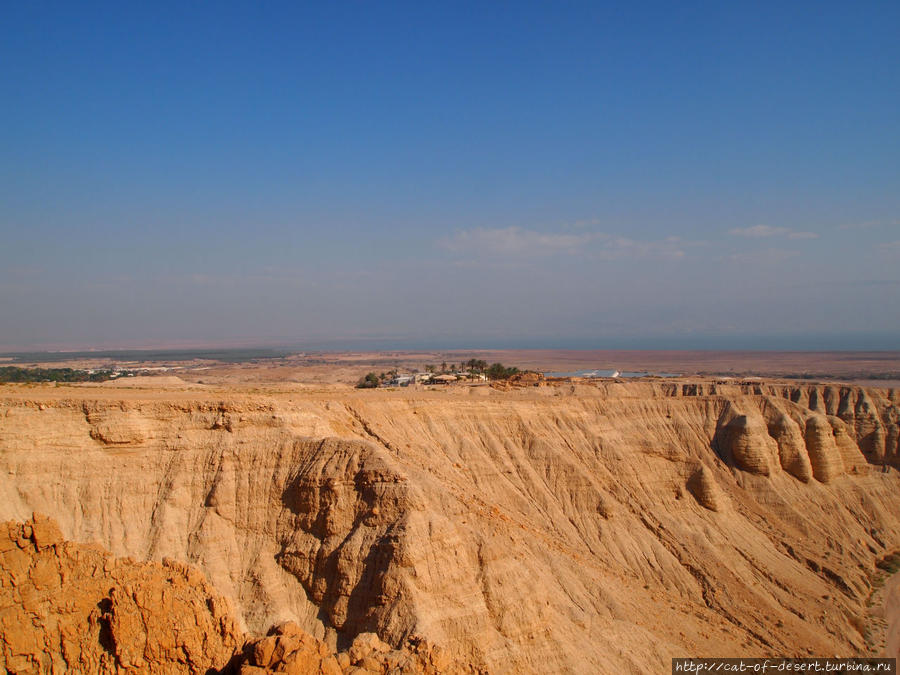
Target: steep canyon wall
(564,528)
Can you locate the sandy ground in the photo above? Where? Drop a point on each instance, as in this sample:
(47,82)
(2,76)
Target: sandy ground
(891,610)
(883,620)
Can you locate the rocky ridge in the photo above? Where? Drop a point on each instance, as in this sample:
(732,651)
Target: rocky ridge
(68,607)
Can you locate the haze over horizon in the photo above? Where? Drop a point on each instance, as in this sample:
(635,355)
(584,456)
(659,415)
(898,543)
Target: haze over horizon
(583,175)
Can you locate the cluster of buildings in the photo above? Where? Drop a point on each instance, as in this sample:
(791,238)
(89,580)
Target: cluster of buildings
(406,379)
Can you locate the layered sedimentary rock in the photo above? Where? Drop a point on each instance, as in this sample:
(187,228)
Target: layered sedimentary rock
(745,439)
(792,452)
(852,457)
(561,528)
(824,455)
(870,414)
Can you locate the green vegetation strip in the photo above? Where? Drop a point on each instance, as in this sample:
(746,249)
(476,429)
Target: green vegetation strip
(15,374)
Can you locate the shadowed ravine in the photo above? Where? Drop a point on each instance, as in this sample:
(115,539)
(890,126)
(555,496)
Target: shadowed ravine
(563,528)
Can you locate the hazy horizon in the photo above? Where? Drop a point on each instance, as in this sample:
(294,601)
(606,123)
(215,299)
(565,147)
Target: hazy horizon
(583,175)
(797,343)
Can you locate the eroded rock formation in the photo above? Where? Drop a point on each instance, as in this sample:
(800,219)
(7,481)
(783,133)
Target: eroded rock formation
(524,530)
(67,607)
(703,486)
(745,439)
(824,455)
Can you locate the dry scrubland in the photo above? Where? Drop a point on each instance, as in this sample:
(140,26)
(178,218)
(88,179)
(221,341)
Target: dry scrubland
(569,527)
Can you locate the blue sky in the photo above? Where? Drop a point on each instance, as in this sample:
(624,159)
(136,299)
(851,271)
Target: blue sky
(462,174)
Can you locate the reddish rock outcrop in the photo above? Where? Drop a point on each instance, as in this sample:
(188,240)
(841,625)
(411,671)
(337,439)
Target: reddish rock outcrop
(289,649)
(67,607)
(529,378)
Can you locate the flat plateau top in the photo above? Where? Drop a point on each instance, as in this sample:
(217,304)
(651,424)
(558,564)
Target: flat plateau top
(147,389)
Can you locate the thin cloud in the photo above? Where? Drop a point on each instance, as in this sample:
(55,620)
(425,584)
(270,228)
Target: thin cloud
(516,242)
(760,231)
(617,248)
(768,256)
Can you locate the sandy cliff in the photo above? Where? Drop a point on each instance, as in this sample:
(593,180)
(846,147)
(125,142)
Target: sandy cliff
(567,528)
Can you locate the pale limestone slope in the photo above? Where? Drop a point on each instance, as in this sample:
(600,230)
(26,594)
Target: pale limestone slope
(564,529)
